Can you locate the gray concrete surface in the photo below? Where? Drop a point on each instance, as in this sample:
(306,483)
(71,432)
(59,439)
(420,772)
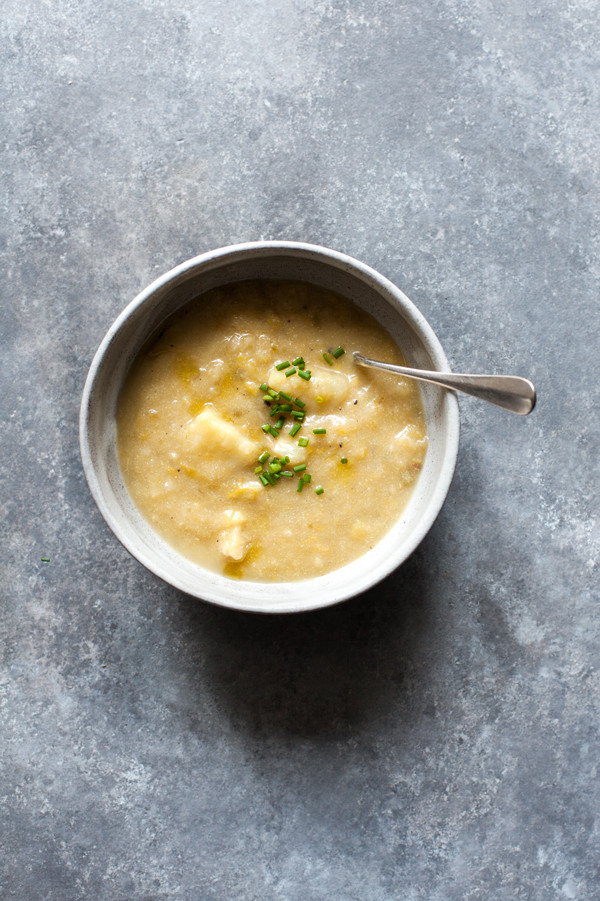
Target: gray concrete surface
(436,739)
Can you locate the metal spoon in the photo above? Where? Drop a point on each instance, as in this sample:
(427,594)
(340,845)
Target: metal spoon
(508,391)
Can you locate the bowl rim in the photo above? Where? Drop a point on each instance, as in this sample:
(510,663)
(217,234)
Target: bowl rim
(382,285)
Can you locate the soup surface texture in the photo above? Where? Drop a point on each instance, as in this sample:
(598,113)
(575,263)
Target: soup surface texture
(193,422)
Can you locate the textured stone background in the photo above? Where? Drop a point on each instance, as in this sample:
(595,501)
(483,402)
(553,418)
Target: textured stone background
(436,739)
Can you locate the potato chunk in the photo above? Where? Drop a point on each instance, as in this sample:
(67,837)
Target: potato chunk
(209,432)
(288,447)
(410,445)
(232,541)
(330,385)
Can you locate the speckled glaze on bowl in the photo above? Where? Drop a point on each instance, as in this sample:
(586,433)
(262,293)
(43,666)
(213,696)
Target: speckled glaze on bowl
(265,260)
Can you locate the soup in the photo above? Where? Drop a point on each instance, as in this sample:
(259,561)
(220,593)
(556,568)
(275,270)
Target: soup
(251,441)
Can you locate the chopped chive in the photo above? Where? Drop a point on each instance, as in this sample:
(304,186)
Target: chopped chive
(319,489)
(285,459)
(299,403)
(338,352)
(275,476)
(273,432)
(269,477)
(264,457)
(283,365)
(295,429)
(298,414)
(267,398)
(274,410)
(285,408)
(302,442)
(298,361)
(284,396)
(273,394)
(45,559)
(279,423)
(264,480)
(257,470)
(319,399)
(328,359)
(306,477)
(264,387)
(300,485)
(287,473)
(266,428)
(344,460)
(275,460)
(319,431)
(275,467)
(304,374)
(300,467)
(290,372)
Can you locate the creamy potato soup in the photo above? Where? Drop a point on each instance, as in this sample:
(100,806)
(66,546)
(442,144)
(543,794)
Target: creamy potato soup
(253,443)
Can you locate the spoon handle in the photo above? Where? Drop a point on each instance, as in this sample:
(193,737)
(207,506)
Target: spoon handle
(508,391)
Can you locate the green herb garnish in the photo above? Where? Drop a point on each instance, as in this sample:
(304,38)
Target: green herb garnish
(281,406)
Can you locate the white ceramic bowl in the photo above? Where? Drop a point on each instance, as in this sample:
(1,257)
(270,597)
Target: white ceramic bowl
(260,260)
